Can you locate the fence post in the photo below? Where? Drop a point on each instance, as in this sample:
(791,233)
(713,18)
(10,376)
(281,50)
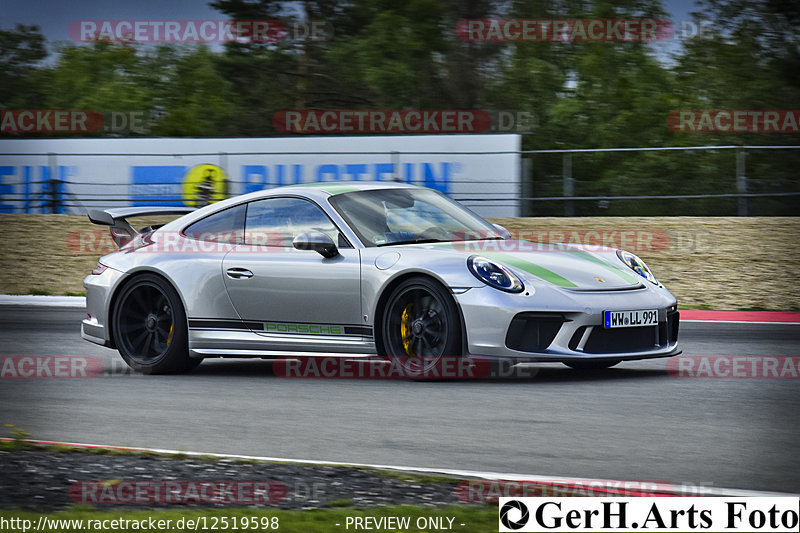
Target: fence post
(395,161)
(741,183)
(52,183)
(222,157)
(569,186)
(526,186)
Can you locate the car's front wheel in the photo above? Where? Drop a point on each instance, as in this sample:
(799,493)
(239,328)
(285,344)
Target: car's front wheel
(421,328)
(150,327)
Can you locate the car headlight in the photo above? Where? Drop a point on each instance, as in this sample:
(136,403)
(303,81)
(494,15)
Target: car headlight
(637,265)
(494,275)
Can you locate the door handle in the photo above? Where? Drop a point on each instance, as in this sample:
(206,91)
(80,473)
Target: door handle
(239,273)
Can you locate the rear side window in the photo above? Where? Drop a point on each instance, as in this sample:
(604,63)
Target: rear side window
(277,221)
(224,226)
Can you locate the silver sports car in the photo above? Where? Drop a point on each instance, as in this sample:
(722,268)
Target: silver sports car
(363,270)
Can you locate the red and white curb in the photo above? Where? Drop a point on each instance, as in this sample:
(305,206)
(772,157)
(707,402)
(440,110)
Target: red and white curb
(564,483)
(740,317)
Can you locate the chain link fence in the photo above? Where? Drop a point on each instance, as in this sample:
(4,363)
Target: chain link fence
(669,181)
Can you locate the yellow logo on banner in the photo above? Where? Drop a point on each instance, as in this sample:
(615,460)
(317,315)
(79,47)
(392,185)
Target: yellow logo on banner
(204,184)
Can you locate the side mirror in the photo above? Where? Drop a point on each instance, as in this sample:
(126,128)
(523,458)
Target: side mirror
(503,231)
(317,241)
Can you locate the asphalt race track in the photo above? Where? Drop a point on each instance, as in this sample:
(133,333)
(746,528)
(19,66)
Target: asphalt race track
(632,422)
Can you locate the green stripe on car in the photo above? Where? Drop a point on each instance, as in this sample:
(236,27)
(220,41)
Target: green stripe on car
(308,329)
(340,189)
(630,278)
(531,268)
(330,188)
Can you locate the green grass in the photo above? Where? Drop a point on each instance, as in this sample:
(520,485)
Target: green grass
(19,435)
(767,309)
(340,502)
(413,477)
(476,518)
(40,292)
(48,292)
(18,443)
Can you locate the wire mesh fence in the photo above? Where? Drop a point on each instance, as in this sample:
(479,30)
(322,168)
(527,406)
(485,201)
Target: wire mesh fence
(697,180)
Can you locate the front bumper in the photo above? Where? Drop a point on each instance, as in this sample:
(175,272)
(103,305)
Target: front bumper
(559,325)
(95,328)
(94,332)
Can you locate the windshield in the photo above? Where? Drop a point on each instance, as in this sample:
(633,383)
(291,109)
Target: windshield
(404,216)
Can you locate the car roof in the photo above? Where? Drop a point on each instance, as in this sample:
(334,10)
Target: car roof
(318,191)
(333,188)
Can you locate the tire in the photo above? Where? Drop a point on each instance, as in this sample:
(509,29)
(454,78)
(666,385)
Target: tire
(150,327)
(420,328)
(587,366)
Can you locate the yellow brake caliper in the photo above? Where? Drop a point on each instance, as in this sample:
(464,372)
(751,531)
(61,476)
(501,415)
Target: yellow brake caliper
(405,329)
(169,336)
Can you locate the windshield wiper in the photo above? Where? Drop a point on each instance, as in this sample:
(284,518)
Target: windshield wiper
(479,239)
(412,241)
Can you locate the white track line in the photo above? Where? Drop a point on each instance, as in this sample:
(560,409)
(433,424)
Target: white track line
(467,474)
(77,302)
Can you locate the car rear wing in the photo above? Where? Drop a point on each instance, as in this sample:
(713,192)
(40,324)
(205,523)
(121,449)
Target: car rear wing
(116,218)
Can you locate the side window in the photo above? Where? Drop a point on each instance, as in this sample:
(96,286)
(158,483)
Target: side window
(277,221)
(224,226)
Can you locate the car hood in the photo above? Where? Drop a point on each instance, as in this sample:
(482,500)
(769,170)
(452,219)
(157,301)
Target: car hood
(564,265)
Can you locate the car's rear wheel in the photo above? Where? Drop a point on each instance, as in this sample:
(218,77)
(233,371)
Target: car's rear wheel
(150,327)
(421,328)
(586,366)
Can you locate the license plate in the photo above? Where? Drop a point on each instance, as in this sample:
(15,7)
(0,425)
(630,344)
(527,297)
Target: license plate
(630,319)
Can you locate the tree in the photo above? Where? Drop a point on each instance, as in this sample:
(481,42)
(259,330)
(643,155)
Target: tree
(21,49)
(196,100)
